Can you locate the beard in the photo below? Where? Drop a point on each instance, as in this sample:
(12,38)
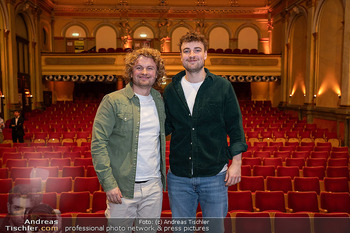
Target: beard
(194,68)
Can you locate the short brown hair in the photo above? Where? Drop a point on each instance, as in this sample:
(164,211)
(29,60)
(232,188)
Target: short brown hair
(132,57)
(194,36)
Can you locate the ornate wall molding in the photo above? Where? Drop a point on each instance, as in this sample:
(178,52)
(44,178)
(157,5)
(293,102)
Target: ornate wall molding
(155,11)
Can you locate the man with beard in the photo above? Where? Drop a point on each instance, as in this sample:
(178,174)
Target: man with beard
(20,200)
(128,144)
(201,110)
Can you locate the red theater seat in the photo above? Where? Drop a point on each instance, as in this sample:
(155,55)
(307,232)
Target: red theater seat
(45,172)
(283,183)
(252,183)
(318,172)
(74,202)
(35,183)
(307,184)
(60,162)
(73,171)
(292,223)
(244,205)
(292,171)
(336,184)
(339,171)
(335,202)
(253,222)
(302,202)
(90,184)
(5,185)
(21,172)
(299,162)
(58,184)
(264,171)
(272,201)
(99,202)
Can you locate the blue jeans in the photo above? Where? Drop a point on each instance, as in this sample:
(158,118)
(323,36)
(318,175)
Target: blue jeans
(211,192)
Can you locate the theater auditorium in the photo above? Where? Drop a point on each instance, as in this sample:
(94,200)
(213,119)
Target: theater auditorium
(287,60)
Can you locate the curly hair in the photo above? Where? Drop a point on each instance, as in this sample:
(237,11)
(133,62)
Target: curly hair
(194,37)
(131,59)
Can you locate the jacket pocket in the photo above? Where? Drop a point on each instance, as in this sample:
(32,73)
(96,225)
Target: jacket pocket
(124,122)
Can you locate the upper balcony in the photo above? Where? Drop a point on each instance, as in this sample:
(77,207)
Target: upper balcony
(236,67)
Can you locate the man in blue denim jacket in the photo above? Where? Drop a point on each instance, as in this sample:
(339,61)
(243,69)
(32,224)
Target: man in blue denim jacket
(201,110)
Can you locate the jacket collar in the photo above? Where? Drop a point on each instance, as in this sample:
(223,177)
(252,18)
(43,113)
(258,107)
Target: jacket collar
(129,92)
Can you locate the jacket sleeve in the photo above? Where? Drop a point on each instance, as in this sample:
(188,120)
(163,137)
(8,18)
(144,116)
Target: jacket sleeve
(102,129)
(12,123)
(233,123)
(168,124)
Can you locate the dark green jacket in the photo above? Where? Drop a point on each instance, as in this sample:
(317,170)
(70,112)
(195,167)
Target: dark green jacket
(198,144)
(114,140)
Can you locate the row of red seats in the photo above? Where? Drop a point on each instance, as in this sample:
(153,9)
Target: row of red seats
(292,148)
(252,181)
(10,159)
(276,132)
(48,162)
(306,171)
(284,183)
(67,202)
(287,152)
(287,183)
(244,222)
(60,170)
(273,201)
(58,127)
(37,147)
(234,51)
(64,184)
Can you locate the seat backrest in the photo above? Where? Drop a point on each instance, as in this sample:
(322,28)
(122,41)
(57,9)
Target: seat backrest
(307,184)
(253,222)
(245,203)
(291,171)
(58,184)
(90,184)
(261,170)
(292,222)
(335,202)
(303,201)
(45,172)
(73,171)
(5,185)
(283,183)
(270,200)
(338,171)
(74,202)
(336,184)
(316,171)
(60,162)
(252,183)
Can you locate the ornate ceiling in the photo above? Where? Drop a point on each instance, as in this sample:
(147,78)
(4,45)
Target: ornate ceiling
(172,3)
(164,8)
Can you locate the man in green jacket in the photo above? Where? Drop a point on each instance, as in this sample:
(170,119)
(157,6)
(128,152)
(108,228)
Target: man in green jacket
(202,109)
(128,144)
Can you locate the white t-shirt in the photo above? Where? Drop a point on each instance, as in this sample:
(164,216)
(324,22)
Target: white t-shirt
(190,91)
(148,153)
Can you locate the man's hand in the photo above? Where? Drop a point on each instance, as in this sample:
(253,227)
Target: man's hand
(233,173)
(114,196)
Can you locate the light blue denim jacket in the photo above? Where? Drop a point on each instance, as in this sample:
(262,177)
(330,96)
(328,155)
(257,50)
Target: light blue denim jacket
(115,139)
